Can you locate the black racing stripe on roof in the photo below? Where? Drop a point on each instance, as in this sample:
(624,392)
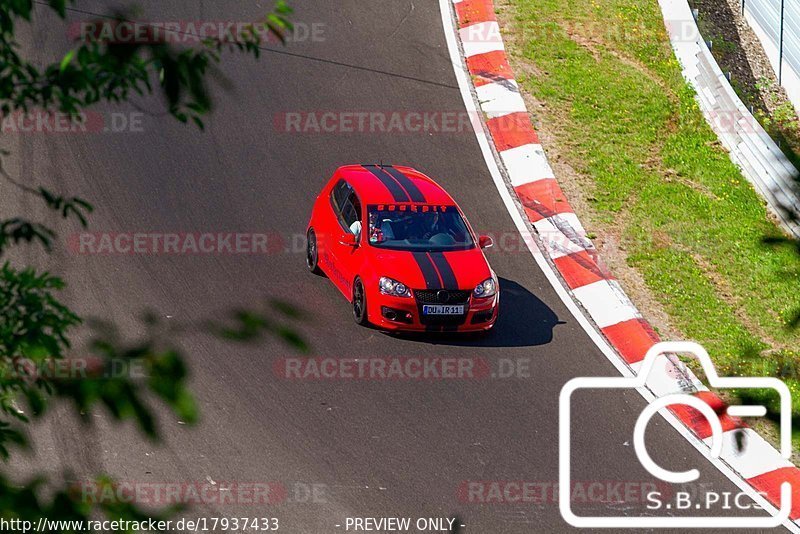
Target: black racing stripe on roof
(407,184)
(428,270)
(398,193)
(445,271)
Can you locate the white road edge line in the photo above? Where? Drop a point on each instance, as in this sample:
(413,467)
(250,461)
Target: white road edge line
(459,68)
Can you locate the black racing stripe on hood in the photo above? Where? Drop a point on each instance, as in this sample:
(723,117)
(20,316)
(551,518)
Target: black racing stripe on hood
(445,271)
(398,193)
(407,184)
(428,270)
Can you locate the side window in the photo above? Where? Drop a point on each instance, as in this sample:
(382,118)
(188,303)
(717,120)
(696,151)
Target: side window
(351,211)
(345,204)
(339,194)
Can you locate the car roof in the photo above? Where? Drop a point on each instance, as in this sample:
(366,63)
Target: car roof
(393,184)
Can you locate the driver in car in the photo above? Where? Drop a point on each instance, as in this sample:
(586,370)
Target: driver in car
(434,227)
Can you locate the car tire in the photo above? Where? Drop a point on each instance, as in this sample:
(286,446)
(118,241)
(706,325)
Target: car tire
(359,303)
(312,252)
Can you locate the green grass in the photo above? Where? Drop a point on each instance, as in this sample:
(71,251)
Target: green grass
(622,115)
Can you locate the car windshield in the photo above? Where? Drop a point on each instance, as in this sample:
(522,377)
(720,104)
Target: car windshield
(418,227)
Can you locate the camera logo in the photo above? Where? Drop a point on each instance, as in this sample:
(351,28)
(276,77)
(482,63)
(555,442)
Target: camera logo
(698,352)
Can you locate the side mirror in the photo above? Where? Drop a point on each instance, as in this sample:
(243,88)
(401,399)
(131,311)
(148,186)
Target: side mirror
(485,241)
(348,240)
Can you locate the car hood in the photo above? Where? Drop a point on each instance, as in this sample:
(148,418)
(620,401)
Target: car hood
(461,269)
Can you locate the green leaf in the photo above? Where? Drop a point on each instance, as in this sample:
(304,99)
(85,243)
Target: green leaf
(66,61)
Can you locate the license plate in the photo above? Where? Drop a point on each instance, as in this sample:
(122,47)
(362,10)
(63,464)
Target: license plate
(442,310)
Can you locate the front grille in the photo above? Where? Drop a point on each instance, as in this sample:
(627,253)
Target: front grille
(442,296)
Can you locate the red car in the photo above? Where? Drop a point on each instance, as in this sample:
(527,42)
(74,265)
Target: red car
(401,251)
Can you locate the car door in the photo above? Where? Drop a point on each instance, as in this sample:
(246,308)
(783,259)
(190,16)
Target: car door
(349,251)
(345,246)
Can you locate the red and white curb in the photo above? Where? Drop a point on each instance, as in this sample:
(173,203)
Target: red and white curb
(563,241)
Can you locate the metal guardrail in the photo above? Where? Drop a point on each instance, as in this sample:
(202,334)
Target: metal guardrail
(750,147)
(777,25)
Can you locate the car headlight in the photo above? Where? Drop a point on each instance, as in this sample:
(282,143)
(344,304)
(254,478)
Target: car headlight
(487,288)
(394,288)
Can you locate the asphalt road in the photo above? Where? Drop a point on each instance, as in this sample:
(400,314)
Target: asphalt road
(369,447)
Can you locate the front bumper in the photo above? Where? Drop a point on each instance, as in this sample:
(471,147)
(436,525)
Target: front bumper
(404,314)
